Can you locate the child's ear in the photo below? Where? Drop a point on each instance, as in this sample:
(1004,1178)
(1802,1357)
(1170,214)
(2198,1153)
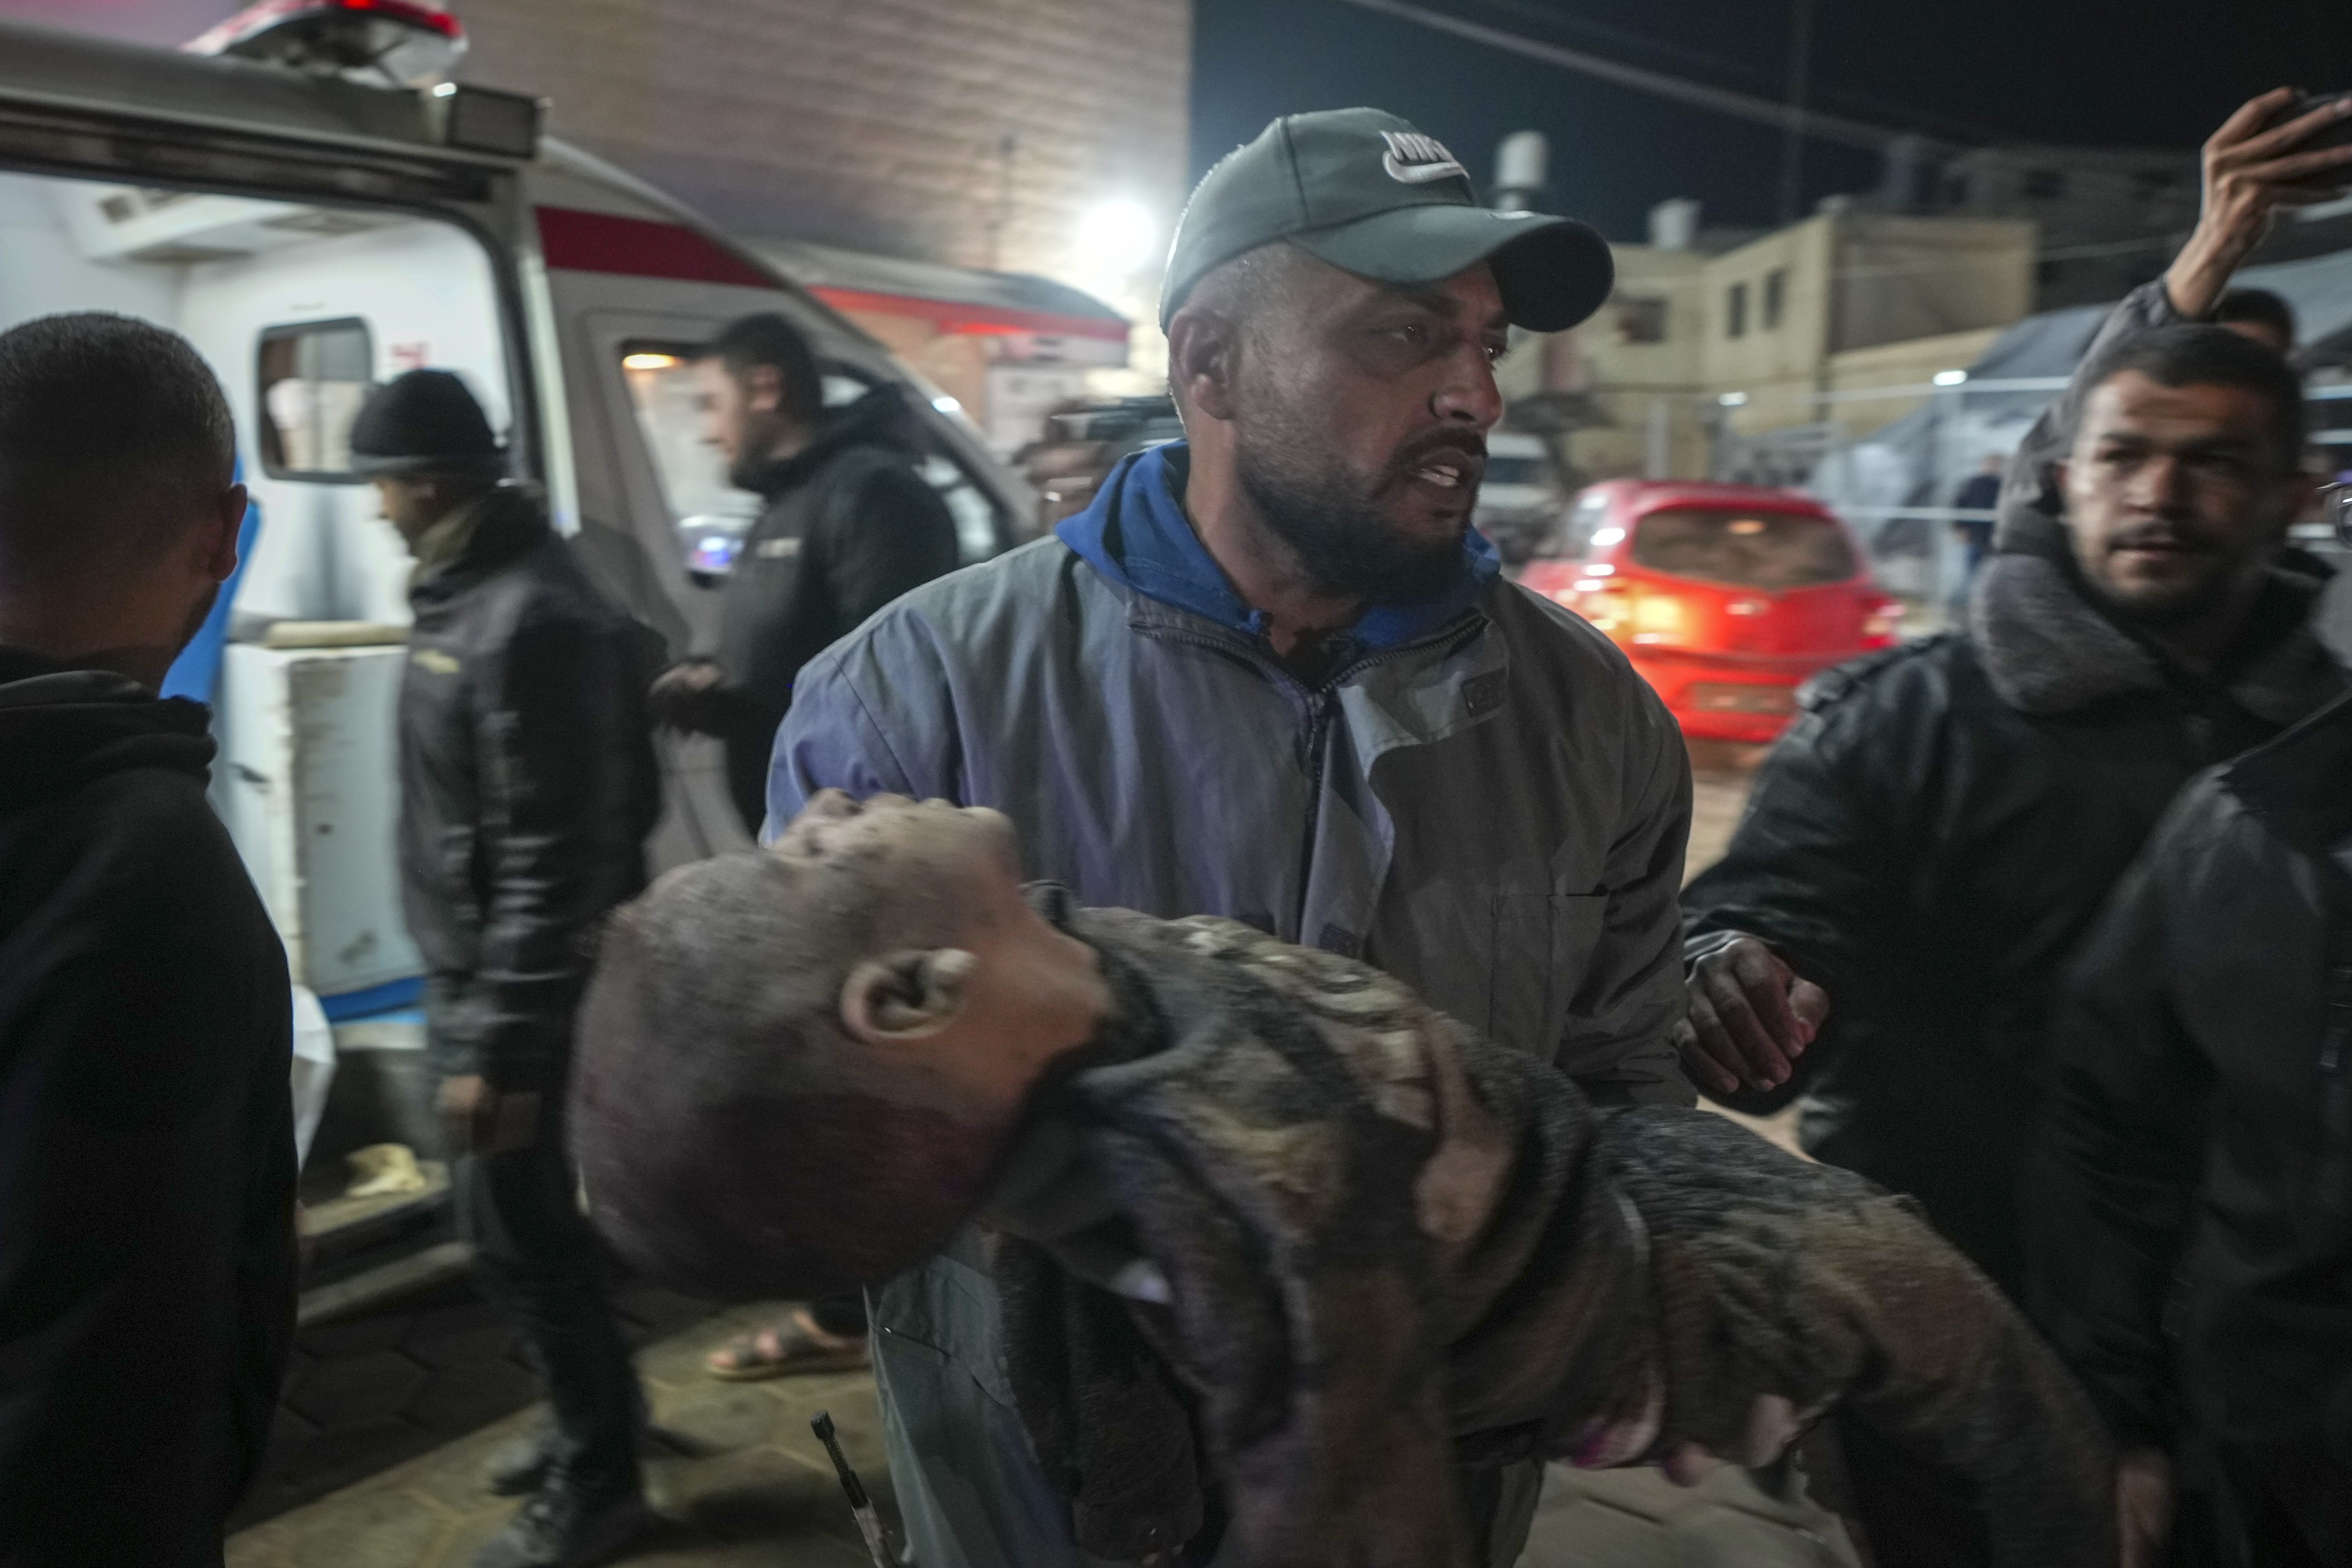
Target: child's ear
(910,995)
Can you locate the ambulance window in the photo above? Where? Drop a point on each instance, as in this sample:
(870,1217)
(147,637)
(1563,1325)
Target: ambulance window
(712,515)
(313,378)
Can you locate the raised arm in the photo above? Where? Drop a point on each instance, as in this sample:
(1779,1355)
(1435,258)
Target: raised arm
(2252,168)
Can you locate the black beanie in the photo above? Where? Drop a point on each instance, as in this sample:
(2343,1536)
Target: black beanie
(424,422)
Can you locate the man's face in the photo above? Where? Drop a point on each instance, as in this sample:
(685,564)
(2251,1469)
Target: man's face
(1359,425)
(405,504)
(742,416)
(2175,495)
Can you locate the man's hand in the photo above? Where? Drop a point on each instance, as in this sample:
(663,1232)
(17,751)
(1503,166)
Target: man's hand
(686,697)
(2142,1506)
(1750,1018)
(482,1120)
(2253,167)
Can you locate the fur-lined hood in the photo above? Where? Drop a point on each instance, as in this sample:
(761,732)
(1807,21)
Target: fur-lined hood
(2048,650)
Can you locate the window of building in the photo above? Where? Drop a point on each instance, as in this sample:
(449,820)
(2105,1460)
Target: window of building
(1641,320)
(313,377)
(1776,296)
(2044,185)
(1735,311)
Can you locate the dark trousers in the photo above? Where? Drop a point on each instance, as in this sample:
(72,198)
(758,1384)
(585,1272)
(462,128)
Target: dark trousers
(539,1263)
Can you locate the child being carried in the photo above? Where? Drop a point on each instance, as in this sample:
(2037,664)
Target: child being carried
(1275,1241)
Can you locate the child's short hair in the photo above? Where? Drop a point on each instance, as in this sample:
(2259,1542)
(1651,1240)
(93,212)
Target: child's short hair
(730,1141)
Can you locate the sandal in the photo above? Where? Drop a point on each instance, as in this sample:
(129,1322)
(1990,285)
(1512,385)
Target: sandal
(786,1349)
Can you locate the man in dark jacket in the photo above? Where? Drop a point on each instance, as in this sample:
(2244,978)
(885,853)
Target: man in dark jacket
(2200,1129)
(1931,838)
(1936,833)
(2092,683)
(146,1134)
(527,786)
(848,526)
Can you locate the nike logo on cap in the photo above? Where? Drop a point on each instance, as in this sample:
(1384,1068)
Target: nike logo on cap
(1417,160)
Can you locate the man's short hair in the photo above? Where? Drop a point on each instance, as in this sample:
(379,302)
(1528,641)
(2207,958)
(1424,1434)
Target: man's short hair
(2261,307)
(113,437)
(1251,290)
(2202,355)
(731,1143)
(767,338)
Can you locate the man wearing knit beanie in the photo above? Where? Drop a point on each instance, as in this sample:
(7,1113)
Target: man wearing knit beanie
(528,785)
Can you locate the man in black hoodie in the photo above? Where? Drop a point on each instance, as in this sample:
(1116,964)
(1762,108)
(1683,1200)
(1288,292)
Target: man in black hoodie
(527,786)
(848,526)
(146,1134)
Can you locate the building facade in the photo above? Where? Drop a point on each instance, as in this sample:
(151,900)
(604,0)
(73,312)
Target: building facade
(1710,342)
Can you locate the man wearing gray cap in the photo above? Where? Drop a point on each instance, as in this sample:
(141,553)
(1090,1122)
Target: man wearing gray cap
(1271,673)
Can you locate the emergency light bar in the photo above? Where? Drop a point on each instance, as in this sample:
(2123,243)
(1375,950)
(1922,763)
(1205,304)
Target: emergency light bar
(397,42)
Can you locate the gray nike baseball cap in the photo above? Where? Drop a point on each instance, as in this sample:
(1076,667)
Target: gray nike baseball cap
(1372,196)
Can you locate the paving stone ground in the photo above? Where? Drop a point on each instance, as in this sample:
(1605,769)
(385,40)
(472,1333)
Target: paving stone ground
(753,1489)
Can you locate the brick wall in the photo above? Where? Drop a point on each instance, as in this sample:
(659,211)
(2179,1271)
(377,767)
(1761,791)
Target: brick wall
(969,131)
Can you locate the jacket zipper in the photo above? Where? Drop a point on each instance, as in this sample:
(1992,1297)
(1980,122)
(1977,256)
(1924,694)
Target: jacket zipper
(1322,702)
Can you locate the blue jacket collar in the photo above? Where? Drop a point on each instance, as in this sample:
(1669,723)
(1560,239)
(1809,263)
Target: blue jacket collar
(1137,535)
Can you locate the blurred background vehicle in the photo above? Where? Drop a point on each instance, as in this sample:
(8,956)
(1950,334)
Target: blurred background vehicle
(1726,597)
(1521,499)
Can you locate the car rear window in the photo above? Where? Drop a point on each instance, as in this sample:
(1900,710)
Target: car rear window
(1746,549)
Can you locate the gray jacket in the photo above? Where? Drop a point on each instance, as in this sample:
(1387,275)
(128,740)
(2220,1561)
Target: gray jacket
(1494,810)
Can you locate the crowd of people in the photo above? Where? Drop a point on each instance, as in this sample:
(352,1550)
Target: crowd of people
(1308,1156)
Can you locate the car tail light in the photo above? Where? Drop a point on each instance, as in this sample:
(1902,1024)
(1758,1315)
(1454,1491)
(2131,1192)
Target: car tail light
(1607,608)
(1883,626)
(1627,611)
(1657,618)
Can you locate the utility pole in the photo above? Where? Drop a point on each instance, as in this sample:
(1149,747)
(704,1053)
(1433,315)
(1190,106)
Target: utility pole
(1792,145)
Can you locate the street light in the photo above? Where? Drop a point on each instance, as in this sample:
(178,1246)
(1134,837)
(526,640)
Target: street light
(1950,377)
(1118,236)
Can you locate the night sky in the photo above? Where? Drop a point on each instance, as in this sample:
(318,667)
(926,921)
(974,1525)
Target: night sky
(2097,72)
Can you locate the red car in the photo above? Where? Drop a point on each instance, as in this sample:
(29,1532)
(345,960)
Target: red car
(1726,597)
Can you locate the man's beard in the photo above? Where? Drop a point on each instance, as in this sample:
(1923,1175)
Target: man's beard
(1332,519)
(2176,605)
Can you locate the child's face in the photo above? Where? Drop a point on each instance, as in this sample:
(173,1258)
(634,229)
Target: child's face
(966,854)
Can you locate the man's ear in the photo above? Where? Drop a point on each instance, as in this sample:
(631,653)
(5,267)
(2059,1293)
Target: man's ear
(764,388)
(217,541)
(2294,496)
(1201,346)
(910,995)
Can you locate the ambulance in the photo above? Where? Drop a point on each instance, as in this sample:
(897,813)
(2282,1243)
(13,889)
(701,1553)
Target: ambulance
(307,198)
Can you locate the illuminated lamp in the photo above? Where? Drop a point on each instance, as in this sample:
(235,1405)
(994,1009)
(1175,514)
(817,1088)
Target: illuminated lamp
(396,43)
(649,362)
